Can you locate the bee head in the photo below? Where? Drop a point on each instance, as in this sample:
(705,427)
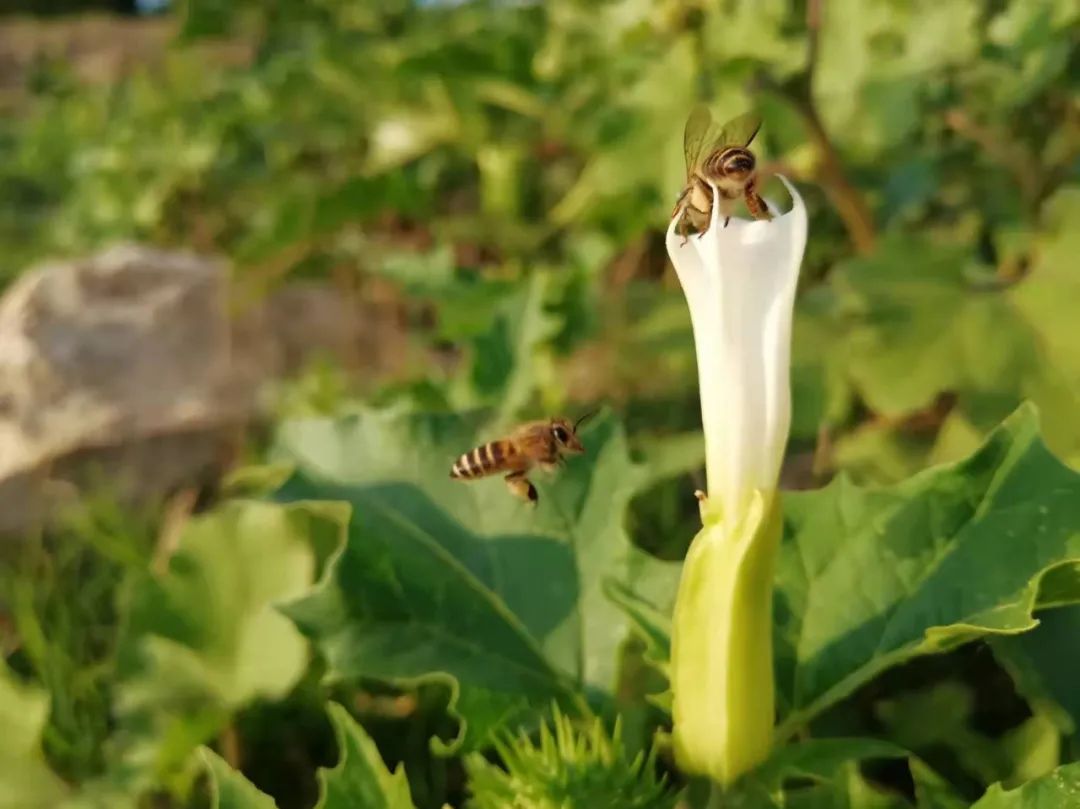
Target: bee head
(565,435)
(738,163)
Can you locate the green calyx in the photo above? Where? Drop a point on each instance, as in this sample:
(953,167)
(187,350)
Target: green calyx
(721,661)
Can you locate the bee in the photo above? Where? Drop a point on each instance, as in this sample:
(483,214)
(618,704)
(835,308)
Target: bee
(535,443)
(720,156)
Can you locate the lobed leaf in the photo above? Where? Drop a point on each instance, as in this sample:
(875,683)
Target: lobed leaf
(360,778)
(1045,665)
(229,789)
(1058,790)
(870,578)
(460,582)
(26,780)
(205,637)
(826,773)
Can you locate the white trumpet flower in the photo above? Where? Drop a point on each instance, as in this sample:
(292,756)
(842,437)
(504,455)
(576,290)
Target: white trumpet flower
(739,283)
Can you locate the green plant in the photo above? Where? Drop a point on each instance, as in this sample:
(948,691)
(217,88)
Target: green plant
(567,767)
(67,594)
(489,183)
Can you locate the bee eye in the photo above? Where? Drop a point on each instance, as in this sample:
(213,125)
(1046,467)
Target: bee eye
(560,434)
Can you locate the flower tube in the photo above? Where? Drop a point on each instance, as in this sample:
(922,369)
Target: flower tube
(739,283)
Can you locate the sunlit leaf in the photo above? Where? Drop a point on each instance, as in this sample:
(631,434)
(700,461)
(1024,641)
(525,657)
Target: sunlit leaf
(1045,663)
(26,781)
(1058,790)
(876,58)
(506,358)
(206,636)
(869,578)
(460,581)
(229,789)
(917,321)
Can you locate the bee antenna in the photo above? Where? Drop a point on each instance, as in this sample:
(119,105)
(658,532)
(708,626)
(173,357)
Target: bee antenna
(585,418)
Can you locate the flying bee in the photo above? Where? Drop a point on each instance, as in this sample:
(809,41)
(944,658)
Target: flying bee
(535,443)
(719,155)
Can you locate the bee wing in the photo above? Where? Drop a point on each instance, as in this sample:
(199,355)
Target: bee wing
(533,438)
(740,131)
(530,431)
(700,135)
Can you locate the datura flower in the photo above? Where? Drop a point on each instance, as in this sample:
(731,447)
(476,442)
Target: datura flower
(739,282)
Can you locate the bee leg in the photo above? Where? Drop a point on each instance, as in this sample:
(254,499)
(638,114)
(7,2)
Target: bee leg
(726,220)
(521,487)
(755,204)
(681,228)
(551,467)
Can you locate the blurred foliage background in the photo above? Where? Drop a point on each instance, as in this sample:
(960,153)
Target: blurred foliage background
(432,155)
(494,180)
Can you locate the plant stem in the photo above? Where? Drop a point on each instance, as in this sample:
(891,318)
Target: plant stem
(716,797)
(848,201)
(230,746)
(850,205)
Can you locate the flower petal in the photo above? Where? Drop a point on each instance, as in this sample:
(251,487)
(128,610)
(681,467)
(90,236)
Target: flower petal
(740,283)
(739,280)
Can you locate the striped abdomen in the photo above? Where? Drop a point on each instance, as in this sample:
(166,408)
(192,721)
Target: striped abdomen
(734,160)
(487,459)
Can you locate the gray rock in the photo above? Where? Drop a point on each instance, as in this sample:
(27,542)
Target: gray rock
(117,369)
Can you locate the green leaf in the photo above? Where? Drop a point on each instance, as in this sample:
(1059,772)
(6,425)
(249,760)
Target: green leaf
(825,773)
(1043,294)
(256,480)
(940,718)
(821,393)
(931,790)
(208,18)
(1041,298)
(420,273)
(821,759)
(26,781)
(671,455)
(1058,790)
(229,789)
(506,358)
(876,56)
(1045,664)
(459,581)
(507,325)
(917,320)
(870,578)
(917,327)
(641,155)
(206,636)
(651,623)
(360,778)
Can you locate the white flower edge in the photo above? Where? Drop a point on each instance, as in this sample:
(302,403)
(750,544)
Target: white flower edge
(740,282)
